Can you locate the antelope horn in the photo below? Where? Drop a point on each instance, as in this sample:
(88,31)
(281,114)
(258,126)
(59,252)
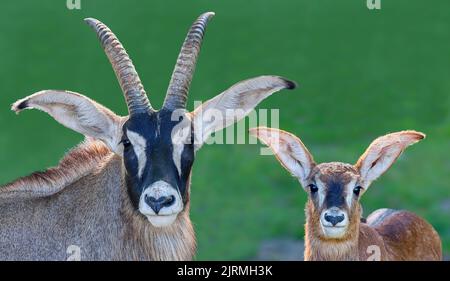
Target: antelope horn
(177,92)
(132,88)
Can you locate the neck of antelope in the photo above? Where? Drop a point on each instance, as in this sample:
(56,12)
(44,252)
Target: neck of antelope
(320,248)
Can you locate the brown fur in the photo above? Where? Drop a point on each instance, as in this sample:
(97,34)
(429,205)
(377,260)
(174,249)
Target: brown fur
(399,235)
(333,229)
(317,247)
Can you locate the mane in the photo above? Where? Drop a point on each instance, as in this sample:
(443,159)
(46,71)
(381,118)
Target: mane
(75,164)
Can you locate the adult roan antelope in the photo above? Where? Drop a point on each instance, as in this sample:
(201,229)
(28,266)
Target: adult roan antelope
(122,194)
(334,229)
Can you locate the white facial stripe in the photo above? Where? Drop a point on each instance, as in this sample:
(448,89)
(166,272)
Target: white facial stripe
(176,155)
(139,144)
(181,135)
(321,192)
(349,188)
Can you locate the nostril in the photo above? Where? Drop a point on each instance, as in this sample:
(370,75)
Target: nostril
(334,219)
(168,201)
(161,202)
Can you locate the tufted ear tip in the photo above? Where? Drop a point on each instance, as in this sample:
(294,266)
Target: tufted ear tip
(384,151)
(417,135)
(408,137)
(20,105)
(290,85)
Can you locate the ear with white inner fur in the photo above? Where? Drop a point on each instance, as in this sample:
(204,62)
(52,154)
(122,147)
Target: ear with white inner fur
(289,150)
(76,112)
(234,104)
(383,152)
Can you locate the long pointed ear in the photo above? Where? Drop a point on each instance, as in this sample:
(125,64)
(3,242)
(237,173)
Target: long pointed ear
(234,104)
(78,113)
(383,152)
(289,150)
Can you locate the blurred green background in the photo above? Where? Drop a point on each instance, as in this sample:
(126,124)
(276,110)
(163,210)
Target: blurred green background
(363,73)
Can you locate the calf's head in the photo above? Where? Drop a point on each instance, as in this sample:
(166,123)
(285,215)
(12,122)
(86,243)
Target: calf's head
(334,189)
(157,146)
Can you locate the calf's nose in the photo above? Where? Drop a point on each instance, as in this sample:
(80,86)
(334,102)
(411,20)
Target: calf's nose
(334,219)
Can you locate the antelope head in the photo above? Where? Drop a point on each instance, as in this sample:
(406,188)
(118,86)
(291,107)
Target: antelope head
(157,146)
(334,189)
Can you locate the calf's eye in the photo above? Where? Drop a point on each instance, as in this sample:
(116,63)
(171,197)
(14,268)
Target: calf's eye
(313,188)
(357,190)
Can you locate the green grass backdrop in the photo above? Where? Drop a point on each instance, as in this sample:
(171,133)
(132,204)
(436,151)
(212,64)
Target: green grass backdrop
(362,73)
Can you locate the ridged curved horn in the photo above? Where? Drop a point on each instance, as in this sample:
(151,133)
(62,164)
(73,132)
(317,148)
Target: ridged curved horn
(130,83)
(177,92)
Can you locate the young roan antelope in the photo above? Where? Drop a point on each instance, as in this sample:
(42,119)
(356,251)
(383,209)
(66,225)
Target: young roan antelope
(334,229)
(123,194)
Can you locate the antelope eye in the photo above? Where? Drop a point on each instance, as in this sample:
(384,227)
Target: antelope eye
(313,188)
(357,190)
(126,143)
